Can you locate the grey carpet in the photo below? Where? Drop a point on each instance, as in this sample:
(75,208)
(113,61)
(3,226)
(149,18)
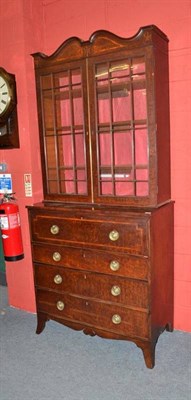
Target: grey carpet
(64,364)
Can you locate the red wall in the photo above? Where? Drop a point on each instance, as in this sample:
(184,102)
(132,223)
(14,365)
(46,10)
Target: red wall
(30,26)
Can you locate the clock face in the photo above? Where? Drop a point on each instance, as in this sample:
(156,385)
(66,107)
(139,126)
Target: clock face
(5,97)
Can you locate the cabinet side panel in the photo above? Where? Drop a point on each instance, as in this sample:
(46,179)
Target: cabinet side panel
(162,122)
(162,274)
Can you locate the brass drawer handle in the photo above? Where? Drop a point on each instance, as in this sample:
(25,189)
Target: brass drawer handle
(115,290)
(114,235)
(54,229)
(56,256)
(114,265)
(60,305)
(58,279)
(116,319)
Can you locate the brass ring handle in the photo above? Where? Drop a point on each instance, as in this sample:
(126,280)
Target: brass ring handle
(60,305)
(114,235)
(54,229)
(116,319)
(58,279)
(56,256)
(115,290)
(114,265)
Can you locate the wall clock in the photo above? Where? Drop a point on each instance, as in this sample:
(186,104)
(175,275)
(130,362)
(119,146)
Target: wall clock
(9,137)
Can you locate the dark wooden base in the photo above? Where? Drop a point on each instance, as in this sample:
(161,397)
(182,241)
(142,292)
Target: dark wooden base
(147,346)
(148,349)
(41,322)
(169,327)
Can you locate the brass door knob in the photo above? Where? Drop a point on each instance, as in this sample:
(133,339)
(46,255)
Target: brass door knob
(54,229)
(115,290)
(56,256)
(58,279)
(114,235)
(114,265)
(116,319)
(60,305)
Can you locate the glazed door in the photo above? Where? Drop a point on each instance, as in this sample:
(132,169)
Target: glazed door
(63,93)
(120,129)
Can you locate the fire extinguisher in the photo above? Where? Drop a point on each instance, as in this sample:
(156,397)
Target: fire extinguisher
(11,228)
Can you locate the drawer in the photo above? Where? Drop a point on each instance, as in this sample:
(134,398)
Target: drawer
(93,260)
(130,235)
(113,318)
(91,285)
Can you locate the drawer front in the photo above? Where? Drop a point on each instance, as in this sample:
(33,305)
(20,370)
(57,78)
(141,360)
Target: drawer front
(131,236)
(113,318)
(85,259)
(91,285)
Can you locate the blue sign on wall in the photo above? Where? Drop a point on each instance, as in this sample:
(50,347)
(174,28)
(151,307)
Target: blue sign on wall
(6,183)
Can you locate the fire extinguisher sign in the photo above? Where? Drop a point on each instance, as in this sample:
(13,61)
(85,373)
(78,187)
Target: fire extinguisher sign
(6,183)
(28,185)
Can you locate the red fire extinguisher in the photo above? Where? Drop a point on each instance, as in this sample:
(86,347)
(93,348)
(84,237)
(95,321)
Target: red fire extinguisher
(11,228)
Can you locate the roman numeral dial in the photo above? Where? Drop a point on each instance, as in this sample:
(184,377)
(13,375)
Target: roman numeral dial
(5,97)
(9,132)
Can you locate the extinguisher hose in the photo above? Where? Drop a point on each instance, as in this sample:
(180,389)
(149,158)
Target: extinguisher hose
(7,197)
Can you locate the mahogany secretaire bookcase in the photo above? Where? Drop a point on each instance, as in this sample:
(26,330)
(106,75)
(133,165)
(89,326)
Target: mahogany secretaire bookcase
(102,239)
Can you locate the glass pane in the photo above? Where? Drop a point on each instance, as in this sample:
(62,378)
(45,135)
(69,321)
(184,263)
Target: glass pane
(73,182)
(104,114)
(79,145)
(106,173)
(142,189)
(65,150)
(67,181)
(121,105)
(141,146)
(48,109)
(82,187)
(67,187)
(63,109)
(119,71)
(77,106)
(142,174)
(67,174)
(124,173)
(76,76)
(101,73)
(106,188)
(46,82)
(52,173)
(124,188)
(138,68)
(102,84)
(105,148)
(121,125)
(140,103)
(61,79)
(64,132)
(123,148)
(103,102)
(52,187)
(81,175)
(50,152)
